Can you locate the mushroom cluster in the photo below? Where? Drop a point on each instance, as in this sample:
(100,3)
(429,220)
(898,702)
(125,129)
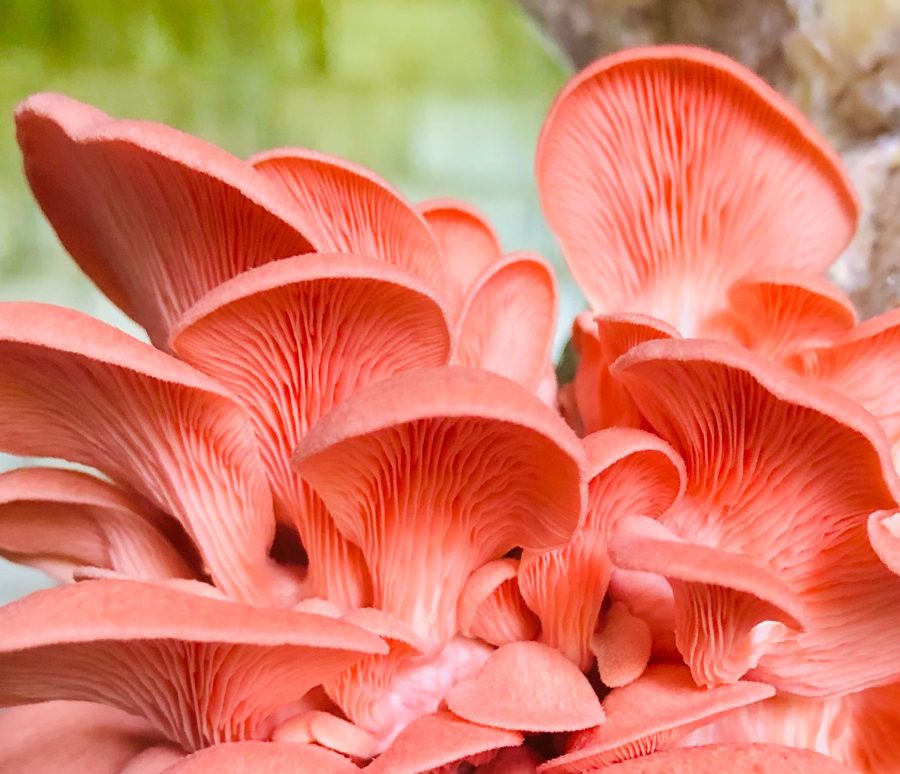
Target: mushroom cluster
(338,515)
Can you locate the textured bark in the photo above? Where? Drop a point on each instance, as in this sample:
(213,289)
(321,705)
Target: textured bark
(839,60)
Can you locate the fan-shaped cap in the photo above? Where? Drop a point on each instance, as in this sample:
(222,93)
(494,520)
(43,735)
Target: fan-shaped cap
(264,758)
(63,521)
(622,646)
(155,217)
(491,606)
(870,740)
(725,604)
(508,320)
(630,472)
(328,730)
(66,737)
(649,597)
(601,399)
(290,340)
(780,313)
(201,670)
(859,728)
(653,712)
(553,696)
(767,478)
(380,461)
(579,399)
(346,208)
(467,241)
(863,365)
(884,534)
(434,741)
(669,172)
(793,721)
(735,759)
(76,388)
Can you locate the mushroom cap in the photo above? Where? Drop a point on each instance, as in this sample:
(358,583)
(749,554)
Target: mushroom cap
(76,388)
(434,741)
(767,478)
(491,606)
(264,758)
(346,208)
(630,472)
(650,714)
(734,758)
(180,660)
(508,320)
(554,697)
(64,521)
(468,244)
(602,399)
(380,461)
(155,217)
(291,339)
(58,736)
(780,313)
(669,172)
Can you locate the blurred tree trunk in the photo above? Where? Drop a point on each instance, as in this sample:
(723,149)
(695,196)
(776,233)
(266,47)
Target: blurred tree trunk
(839,60)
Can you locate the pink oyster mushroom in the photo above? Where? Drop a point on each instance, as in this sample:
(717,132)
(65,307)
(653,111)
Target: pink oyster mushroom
(332,521)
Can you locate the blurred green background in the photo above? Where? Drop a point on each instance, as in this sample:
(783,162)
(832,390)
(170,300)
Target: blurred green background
(441,97)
